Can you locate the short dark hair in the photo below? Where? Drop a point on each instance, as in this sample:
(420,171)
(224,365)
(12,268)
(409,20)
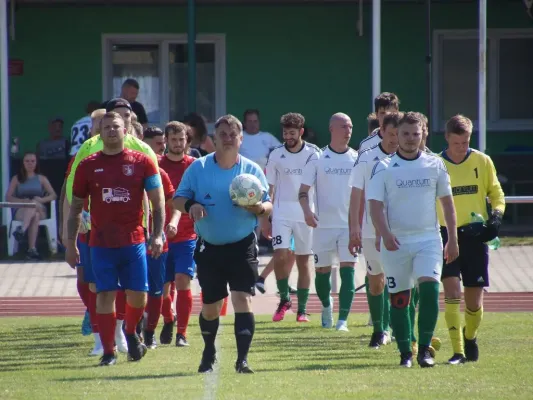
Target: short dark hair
(91,106)
(386,100)
(250,111)
(292,120)
(152,131)
(459,125)
(372,121)
(392,119)
(197,122)
(412,117)
(230,120)
(131,82)
(178,127)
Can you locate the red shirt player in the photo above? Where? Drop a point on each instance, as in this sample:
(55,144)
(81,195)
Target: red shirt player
(115,179)
(157,272)
(181,236)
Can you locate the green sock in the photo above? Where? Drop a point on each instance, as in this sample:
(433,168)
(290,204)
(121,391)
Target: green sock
(323,287)
(303,296)
(428,311)
(346,292)
(386,308)
(375,305)
(283,289)
(401,321)
(412,311)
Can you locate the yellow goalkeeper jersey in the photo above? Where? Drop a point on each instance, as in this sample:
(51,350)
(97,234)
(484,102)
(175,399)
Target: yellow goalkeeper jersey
(472,181)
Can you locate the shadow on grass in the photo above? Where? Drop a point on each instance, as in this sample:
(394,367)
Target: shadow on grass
(328,367)
(127,378)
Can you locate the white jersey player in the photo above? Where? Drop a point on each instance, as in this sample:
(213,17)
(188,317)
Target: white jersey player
(408,184)
(329,175)
(365,236)
(383,104)
(284,171)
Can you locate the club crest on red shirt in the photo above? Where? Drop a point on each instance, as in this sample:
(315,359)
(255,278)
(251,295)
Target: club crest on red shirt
(127,169)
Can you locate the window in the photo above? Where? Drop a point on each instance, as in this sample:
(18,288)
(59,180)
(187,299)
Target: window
(160,64)
(509,78)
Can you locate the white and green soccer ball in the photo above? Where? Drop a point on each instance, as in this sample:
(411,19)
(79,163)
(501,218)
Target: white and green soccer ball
(246,190)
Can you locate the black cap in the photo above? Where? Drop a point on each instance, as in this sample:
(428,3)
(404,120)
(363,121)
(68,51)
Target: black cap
(117,103)
(56,119)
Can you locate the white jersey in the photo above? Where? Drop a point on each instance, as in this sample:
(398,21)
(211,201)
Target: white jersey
(409,189)
(80,132)
(257,147)
(361,172)
(370,141)
(330,176)
(284,170)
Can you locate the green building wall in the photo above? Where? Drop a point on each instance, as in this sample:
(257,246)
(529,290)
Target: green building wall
(306,59)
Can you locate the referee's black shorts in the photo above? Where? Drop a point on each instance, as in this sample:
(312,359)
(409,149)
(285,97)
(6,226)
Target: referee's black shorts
(472,265)
(233,264)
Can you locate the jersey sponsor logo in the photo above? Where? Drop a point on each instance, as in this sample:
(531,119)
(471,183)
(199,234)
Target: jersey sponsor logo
(292,171)
(337,171)
(412,183)
(116,195)
(460,190)
(127,169)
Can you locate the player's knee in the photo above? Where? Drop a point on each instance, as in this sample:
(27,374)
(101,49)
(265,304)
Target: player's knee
(136,299)
(322,270)
(452,287)
(212,311)
(166,289)
(376,284)
(242,302)
(401,299)
(183,282)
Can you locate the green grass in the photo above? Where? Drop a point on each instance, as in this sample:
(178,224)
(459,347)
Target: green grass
(46,358)
(516,241)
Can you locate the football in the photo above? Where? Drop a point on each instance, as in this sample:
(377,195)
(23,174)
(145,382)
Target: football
(246,190)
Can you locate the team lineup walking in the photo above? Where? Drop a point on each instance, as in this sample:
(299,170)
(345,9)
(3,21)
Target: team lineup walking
(143,214)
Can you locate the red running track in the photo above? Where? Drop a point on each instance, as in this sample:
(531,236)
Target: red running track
(72,306)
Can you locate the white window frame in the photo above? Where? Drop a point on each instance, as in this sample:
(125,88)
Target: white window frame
(494,123)
(164,41)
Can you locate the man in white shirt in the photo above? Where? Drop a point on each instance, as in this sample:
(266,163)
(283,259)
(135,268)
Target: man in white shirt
(81,130)
(383,104)
(365,236)
(256,144)
(284,171)
(408,184)
(329,175)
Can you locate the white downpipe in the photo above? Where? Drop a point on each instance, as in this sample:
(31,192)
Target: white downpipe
(4,105)
(376,49)
(482,85)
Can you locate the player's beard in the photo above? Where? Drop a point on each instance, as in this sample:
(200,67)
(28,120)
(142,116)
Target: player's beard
(410,150)
(291,143)
(177,152)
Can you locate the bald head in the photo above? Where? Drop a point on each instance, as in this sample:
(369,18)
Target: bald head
(339,117)
(340,127)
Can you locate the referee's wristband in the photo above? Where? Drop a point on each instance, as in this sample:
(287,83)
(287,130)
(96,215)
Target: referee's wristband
(188,204)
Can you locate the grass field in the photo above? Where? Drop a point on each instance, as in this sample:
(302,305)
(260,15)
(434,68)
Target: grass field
(45,358)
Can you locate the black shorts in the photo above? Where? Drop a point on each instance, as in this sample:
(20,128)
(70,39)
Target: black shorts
(472,264)
(219,265)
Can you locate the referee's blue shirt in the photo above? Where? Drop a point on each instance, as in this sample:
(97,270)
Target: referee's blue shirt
(208,184)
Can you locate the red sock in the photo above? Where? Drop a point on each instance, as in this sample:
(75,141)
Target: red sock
(153,308)
(83,289)
(106,324)
(120,304)
(166,310)
(184,309)
(133,316)
(173,291)
(91,306)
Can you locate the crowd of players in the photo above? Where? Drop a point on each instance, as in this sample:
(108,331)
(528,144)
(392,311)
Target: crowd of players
(156,220)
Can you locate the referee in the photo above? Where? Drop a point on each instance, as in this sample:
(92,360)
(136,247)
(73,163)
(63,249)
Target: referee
(226,250)
(473,179)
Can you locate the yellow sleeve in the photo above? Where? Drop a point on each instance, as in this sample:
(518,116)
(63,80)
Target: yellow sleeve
(494,189)
(131,142)
(88,147)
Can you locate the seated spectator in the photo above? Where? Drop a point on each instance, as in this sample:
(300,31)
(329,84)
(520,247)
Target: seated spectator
(373,123)
(201,140)
(28,186)
(56,147)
